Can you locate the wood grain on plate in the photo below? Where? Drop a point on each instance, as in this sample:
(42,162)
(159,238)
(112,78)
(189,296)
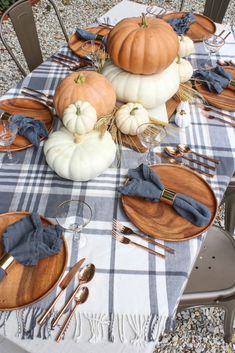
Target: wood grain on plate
(133,142)
(160,220)
(27,107)
(204,27)
(225,100)
(75,43)
(25,285)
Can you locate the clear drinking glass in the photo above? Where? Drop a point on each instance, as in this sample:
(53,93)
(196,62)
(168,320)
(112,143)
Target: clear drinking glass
(212,45)
(150,136)
(95,51)
(8,132)
(73,216)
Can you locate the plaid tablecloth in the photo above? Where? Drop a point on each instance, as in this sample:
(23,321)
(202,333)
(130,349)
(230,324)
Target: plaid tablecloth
(134,294)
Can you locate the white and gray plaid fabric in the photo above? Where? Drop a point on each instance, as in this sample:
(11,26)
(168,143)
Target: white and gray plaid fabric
(132,291)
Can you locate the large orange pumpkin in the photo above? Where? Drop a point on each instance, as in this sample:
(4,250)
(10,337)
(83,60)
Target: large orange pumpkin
(87,86)
(144,45)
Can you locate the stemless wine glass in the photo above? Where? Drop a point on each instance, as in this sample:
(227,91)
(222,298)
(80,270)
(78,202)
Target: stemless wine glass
(150,136)
(8,132)
(212,45)
(95,51)
(73,216)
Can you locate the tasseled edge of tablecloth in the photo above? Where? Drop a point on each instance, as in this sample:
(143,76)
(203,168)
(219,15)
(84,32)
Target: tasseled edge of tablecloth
(98,327)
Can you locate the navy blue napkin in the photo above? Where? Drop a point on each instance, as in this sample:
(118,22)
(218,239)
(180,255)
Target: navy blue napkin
(144,182)
(86,35)
(28,240)
(181,25)
(30,128)
(216,79)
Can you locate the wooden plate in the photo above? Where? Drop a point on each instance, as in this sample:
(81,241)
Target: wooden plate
(160,220)
(28,107)
(75,43)
(204,27)
(133,142)
(225,100)
(25,285)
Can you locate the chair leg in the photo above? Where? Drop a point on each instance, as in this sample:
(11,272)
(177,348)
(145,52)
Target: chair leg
(229,212)
(229,307)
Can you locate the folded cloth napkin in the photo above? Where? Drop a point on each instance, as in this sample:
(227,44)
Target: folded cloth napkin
(30,128)
(181,25)
(144,182)
(216,79)
(28,240)
(86,35)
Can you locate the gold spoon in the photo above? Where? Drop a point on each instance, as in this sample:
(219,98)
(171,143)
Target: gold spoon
(80,298)
(85,276)
(187,149)
(176,153)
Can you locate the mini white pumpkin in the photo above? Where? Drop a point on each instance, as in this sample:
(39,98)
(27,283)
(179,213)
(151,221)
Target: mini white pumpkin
(79,157)
(79,117)
(186,46)
(185,70)
(130,116)
(148,90)
(182,116)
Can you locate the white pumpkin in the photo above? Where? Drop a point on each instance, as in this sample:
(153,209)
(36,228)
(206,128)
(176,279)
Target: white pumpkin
(130,116)
(184,105)
(79,117)
(182,116)
(79,157)
(186,46)
(185,70)
(148,90)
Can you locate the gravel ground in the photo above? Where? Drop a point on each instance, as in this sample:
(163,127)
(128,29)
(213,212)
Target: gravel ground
(197,330)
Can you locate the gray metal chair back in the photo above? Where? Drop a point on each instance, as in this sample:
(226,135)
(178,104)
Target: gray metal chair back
(215,9)
(21,15)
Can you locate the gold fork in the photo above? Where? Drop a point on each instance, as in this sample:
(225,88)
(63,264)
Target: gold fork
(128,231)
(125,240)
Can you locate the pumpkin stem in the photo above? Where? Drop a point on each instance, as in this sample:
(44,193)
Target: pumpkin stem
(80,79)
(178,61)
(144,23)
(78,111)
(132,112)
(181,37)
(77,138)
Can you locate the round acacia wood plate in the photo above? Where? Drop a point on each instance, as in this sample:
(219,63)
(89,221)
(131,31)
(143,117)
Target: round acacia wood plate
(27,107)
(75,43)
(204,27)
(25,285)
(160,220)
(224,100)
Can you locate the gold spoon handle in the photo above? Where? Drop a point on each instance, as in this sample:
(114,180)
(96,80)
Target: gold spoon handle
(154,242)
(206,157)
(66,323)
(198,162)
(56,320)
(222,120)
(147,249)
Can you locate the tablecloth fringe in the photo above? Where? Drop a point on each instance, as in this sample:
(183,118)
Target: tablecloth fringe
(137,329)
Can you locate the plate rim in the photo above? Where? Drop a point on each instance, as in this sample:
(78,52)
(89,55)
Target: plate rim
(62,272)
(177,239)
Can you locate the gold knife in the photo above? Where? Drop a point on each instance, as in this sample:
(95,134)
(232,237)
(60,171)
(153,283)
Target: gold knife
(63,285)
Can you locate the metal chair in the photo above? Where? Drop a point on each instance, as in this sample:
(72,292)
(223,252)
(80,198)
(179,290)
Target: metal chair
(212,281)
(21,16)
(215,9)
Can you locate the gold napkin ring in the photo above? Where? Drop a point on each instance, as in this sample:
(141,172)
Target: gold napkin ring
(5,261)
(168,196)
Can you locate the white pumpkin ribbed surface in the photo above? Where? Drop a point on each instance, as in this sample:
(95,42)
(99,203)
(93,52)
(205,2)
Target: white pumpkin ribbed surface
(79,161)
(130,116)
(148,90)
(186,46)
(185,70)
(79,117)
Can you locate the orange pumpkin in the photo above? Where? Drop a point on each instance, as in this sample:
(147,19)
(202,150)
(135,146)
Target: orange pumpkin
(143,46)
(87,86)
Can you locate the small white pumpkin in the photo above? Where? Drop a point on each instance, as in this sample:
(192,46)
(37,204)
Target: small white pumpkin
(182,116)
(186,46)
(79,157)
(79,117)
(148,90)
(184,105)
(185,70)
(130,116)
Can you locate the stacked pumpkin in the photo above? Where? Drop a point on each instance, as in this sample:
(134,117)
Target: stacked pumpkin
(144,68)
(77,151)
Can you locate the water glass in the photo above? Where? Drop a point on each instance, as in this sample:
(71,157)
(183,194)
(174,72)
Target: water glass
(8,132)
